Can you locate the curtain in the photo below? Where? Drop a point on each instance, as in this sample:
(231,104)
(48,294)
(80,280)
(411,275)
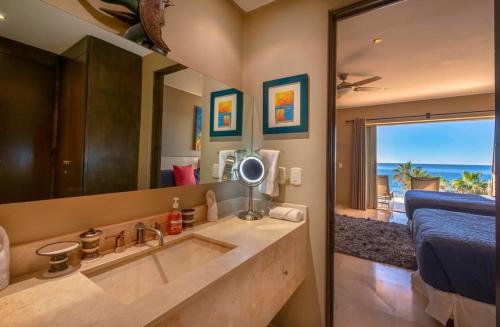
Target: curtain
(371,168)
(358,189)
(493,172)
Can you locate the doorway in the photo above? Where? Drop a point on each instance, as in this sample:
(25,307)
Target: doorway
(334,126)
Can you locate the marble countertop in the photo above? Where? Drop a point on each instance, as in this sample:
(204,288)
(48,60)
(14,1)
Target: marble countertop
(75,300)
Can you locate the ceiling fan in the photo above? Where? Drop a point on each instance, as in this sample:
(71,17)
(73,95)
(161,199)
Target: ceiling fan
(344,87)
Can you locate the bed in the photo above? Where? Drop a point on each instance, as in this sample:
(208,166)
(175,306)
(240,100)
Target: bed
(469,203)
(456,265)
(167,178)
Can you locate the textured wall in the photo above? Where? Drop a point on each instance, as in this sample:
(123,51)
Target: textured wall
(178,123)
(285,38)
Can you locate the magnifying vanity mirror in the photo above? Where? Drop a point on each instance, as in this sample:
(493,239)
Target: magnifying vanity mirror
(84,111)
(252,173)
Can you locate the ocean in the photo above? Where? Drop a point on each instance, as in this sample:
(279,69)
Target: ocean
(448,172)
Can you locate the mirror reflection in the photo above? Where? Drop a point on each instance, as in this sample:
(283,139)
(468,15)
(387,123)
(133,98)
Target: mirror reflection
(206,130)
(84,111)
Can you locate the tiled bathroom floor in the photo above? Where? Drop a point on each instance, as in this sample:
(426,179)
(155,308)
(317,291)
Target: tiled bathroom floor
(372,294)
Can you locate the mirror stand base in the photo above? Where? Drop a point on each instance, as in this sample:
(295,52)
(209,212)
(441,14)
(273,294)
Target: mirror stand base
(250,215)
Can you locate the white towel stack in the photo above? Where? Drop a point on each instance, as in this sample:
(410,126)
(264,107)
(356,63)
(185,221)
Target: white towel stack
(285,213)
(270,185)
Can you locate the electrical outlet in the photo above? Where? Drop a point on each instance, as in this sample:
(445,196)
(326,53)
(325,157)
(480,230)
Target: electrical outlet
(296,176)
(215,170)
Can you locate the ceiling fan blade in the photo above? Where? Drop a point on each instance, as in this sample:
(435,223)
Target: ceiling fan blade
(366,81)
(366,88)
(344,87)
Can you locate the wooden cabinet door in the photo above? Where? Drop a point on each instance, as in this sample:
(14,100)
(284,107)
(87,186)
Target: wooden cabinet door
(27,98)
(112,119)
(71,126)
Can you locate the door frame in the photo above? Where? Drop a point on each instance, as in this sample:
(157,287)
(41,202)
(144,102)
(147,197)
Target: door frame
(335,16)
(157,122)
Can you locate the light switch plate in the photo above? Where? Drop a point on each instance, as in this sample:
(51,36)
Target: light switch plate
(282,175)
(296,176)
(215,170)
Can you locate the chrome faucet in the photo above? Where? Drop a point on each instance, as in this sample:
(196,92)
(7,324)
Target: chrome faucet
(141,230)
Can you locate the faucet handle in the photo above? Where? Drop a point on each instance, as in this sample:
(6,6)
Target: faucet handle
(119,241)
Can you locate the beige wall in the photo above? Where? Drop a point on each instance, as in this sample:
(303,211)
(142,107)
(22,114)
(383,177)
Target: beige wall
(285,38)
(215,49)
(207,36)
(344,130)
(89,11)
(203,35)
(150,64)
(178,123)
(210,147)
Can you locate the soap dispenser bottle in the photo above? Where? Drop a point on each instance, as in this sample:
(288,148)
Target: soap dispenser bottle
(175,219)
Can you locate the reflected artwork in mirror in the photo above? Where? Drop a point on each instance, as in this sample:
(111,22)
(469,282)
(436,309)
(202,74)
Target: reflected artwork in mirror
(88,112)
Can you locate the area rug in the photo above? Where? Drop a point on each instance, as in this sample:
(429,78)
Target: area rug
(375,240)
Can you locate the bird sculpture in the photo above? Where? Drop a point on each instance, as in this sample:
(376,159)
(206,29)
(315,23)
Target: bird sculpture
(145,19)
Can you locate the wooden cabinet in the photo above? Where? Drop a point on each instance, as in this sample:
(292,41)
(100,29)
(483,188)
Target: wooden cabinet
(27,109)
(98,119)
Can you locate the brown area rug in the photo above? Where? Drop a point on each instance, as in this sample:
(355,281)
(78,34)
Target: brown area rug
(375,240)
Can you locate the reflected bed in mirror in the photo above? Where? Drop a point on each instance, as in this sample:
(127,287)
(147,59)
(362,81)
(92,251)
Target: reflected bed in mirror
(84,111)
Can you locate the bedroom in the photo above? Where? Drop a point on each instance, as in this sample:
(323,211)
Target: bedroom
(414,65)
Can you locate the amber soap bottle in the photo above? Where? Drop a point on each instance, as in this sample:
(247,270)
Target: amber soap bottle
(175,219)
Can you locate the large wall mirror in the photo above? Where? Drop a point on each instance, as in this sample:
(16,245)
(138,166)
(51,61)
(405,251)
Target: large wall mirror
(84,111)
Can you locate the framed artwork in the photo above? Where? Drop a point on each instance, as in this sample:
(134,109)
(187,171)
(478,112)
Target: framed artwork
(226,113)
(286,102)
(197,128)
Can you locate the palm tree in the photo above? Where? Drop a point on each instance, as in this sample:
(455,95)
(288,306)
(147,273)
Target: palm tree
(405,171)
(402,171)
(470,183)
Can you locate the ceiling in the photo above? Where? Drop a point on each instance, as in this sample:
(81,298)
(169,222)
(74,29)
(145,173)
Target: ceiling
(249,5)
(430,49)
(40,25)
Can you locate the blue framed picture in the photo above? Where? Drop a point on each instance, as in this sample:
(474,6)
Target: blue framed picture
(198,115)
(286,105)
(226,113)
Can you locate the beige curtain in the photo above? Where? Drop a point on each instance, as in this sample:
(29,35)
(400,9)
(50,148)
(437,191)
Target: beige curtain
(493,172)
(358,191)
(371,169)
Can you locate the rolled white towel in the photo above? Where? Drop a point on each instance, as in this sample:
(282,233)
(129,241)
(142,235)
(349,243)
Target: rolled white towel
(285,213)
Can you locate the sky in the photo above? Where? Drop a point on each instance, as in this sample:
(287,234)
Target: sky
(463,142)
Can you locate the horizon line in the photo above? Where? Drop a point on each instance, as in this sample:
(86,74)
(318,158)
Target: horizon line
(444,164)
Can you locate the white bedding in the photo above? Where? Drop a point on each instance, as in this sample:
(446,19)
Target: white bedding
(465,312)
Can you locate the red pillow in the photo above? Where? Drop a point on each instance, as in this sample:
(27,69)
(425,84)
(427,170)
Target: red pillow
(184,175)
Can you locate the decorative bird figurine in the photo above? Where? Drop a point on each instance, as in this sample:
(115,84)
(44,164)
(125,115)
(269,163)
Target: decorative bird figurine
(146,18)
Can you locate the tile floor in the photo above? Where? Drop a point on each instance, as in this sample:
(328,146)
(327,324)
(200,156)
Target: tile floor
(372,294)
(378,214)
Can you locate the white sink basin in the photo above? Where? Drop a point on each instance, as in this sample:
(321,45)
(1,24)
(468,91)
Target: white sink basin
(132,279)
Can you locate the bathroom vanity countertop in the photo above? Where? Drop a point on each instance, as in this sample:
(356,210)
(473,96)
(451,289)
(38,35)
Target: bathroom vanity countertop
(75,300)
